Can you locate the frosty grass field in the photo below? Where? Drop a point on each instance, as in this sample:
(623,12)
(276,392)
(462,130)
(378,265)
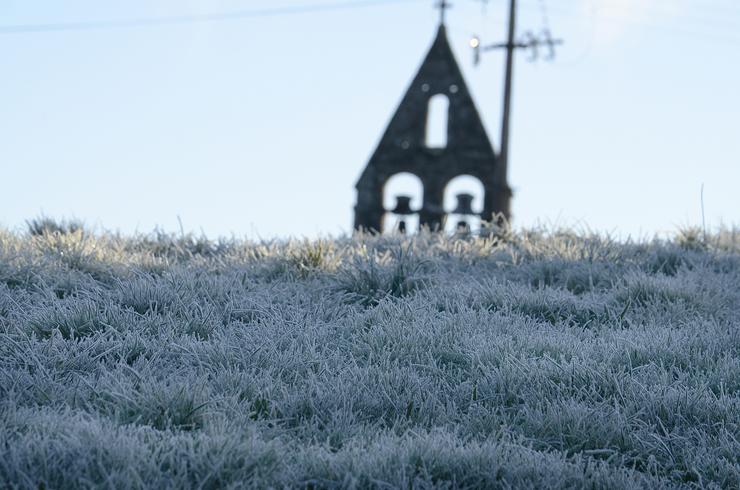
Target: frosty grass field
(536,360)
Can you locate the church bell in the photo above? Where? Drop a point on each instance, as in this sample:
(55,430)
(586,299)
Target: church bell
(403,206)
(464,205)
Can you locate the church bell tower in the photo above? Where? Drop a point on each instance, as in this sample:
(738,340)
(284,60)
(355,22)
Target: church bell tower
(404,147)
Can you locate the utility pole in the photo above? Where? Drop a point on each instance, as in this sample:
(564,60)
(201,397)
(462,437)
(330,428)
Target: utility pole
(530,42)
(506,121)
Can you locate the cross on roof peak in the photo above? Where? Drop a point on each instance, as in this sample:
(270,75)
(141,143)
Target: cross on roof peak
(443,6)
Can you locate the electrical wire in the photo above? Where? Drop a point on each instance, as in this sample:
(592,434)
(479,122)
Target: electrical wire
(689,24)
(194,18)
(545,16)
(685,23)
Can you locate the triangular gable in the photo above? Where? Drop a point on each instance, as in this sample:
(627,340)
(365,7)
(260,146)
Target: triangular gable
(439,74)
(403,146)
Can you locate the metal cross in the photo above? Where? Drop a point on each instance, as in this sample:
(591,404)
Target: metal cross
(443,5)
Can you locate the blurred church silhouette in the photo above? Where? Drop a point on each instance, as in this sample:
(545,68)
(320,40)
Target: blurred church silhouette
(408,147)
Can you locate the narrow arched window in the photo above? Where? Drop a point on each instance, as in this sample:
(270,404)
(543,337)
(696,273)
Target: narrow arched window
(437,122)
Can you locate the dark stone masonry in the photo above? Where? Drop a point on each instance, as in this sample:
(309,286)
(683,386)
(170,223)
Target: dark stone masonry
(403,148)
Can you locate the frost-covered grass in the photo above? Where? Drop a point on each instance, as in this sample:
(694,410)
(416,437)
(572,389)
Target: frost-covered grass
(536,360)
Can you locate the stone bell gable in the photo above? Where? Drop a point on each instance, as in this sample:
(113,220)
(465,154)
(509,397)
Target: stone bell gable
(404,147)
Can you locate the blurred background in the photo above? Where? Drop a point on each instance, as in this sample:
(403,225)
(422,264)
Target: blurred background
(256,117)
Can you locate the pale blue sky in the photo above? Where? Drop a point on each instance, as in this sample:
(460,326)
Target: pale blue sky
(261,126)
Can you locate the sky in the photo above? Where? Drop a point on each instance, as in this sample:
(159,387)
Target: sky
(259,126)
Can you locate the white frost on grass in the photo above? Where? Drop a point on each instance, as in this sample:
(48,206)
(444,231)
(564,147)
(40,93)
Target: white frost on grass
(546,360)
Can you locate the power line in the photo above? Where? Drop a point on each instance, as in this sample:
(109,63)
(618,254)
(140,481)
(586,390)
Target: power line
(545,16)
(685,23)
(194,18)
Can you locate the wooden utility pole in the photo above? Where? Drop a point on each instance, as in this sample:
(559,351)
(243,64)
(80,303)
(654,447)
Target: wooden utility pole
(505,123)
(531,42)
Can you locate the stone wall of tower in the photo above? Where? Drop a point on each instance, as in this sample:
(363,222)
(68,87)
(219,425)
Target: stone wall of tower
(402,147)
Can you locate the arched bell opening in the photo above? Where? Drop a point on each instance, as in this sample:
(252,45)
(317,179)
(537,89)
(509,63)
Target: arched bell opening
(402,199)
(463,203)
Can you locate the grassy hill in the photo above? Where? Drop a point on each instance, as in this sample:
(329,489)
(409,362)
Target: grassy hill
(547,360)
